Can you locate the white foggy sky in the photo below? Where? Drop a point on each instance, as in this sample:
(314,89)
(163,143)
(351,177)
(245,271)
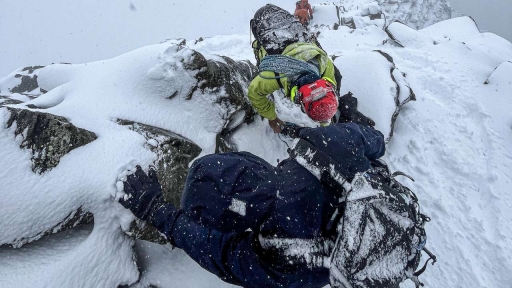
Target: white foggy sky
(35,32)
(490,15)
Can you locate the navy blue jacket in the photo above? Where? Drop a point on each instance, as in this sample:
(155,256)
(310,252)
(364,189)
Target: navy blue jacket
(232,201)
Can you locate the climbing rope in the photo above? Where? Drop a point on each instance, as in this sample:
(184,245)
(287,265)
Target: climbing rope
(287,66)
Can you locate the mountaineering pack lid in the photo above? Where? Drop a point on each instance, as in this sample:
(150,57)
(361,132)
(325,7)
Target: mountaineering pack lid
(319,100)
(275,28)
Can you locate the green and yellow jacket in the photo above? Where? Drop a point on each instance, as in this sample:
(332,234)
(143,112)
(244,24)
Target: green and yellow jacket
(261,87)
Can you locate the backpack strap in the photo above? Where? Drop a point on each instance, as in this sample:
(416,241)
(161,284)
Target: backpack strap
(278,79)
(321,165)
(330,174)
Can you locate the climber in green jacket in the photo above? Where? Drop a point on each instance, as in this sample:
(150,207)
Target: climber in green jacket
(277,32)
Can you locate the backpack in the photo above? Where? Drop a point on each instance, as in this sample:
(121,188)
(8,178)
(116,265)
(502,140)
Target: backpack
(275,28)
(378,224)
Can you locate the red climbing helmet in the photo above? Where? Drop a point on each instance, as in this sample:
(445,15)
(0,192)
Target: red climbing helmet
(318,99)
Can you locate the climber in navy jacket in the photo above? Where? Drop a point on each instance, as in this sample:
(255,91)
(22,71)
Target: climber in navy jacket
(239,214)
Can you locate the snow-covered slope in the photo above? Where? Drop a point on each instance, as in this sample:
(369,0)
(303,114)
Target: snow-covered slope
(454,140)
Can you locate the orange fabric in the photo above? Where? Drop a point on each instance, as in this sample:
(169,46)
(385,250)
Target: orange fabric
(303,5)
(302,14)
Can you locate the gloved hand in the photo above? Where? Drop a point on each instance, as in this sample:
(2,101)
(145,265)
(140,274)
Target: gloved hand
(143,192)
(276,125)
(349,113)
(310,17)
(291,129)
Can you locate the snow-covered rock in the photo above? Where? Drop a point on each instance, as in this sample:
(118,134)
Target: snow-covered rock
(417,14)
(108,98)
(406,36)
(362,13)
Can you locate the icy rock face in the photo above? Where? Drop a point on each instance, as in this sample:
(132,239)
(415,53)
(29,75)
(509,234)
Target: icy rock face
(49,137)
(174,153)
(226,78)
(416,14)
(45,106)
(229,76)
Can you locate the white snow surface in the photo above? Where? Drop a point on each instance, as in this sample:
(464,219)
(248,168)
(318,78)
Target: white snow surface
(454,140)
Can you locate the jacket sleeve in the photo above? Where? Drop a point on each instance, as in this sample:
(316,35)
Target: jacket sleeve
(258,91)
(373,142)
(310,10)
(351,145)
(230,256)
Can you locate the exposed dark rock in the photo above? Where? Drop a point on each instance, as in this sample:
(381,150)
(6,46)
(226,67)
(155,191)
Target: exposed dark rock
(348,21)
(399,79)
(28,81)
(32,106)
(199,40)
(386,55)
(31,69)
(74,219)
(24,83)
(50,137)
(6,100)
(27,84)
(376,16)
(231,78)
(174,154)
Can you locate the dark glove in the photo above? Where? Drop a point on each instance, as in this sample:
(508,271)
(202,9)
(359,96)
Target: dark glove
(349,113)
(143,192)
(310,17)
(276,125)
(291,129)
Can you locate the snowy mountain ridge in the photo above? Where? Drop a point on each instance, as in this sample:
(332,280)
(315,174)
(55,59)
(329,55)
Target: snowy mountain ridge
(453,139)
(416,14)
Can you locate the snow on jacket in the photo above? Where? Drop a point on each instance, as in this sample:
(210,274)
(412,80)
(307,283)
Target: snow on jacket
(260,88)
(232,201)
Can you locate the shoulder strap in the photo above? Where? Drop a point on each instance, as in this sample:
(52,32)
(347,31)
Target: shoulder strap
(321,165)
(327,171)
(278,79)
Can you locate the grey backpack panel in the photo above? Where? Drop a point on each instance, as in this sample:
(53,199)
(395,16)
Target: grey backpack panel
(381,236)
(379,226)
(275,28)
